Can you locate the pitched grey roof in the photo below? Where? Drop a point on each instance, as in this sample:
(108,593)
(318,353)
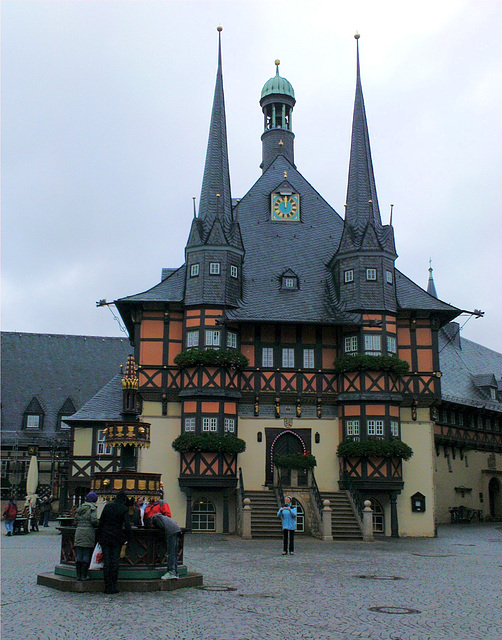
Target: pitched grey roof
(171,289)
(53,368)
(411,296)
(463,364)
(105,406)
(215,198)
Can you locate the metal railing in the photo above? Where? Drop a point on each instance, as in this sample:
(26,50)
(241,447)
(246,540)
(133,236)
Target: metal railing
(241,486)
(279,491)
(316,493)
(354,497)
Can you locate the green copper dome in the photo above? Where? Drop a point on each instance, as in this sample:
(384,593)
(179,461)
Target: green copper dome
(278,84)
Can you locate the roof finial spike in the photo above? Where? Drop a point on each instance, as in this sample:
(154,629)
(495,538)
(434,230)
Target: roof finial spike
(194,208)
(277,63)
(431,287)
(391,210)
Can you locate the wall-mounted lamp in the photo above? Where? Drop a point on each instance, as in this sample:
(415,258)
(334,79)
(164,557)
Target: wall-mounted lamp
(259,436)
(317,437)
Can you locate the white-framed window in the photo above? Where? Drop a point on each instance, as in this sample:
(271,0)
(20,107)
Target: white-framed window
(350,345)
(231,340)
(267,357)
(372,345)
(288,358)
(374,427)
(391,344)
(209,424)
(352,429)
(308,358)
(394,428)
(192,338)
(194,270)
(214,268)
(229,425)
(189,424)
(32,421)
(203,515)
(493,393)
(234,271)
(103,449)
(348,276)
(389,277)
(461,419)
(212,338)
(371,274)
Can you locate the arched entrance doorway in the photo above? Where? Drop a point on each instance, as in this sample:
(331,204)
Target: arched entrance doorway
(494,498)
(283,441)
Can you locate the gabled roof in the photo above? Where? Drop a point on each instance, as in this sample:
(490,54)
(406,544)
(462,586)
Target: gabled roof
(464,364)
(411,296)
(53,368)
(105,406)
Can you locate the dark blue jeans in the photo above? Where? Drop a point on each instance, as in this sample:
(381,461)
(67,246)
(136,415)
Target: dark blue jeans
(83,554)
(172,552)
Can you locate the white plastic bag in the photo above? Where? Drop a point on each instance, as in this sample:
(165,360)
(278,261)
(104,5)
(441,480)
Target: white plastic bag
(97,558)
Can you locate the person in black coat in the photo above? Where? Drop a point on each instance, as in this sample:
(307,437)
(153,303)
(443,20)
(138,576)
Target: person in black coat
(114,529)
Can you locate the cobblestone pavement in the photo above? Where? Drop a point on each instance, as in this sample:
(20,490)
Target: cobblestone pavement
(448,588)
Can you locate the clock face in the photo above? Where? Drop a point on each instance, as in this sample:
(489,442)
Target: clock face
(285,206)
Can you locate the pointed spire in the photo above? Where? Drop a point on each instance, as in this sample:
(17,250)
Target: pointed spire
(216,171)
(362,202)
(431,287)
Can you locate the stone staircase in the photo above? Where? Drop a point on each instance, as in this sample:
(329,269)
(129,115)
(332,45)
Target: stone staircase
(343,520)
(266,524)
(264,520)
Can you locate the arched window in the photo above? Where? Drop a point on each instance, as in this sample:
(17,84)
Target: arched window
(378,516)
(300,516)
(203,515)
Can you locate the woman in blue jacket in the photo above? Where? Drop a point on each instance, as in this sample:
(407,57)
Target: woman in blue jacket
(287,513)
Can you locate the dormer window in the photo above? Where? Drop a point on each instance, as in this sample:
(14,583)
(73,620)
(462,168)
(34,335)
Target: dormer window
(194,270)
(234,272)
(389,277)
(371,274)
(289,283)
(214,268)
(348,276)
(33,421)
(34,415)
(493,393)
(66,411)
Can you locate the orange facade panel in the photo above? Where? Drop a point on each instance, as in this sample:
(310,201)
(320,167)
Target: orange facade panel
(351,410)
(174,349)
(230,407)
(424,337)
(375,410)
(210,407)
(394,411)
(189,406)
(193,322)
(308,334)
(248,351)
(424,357)
(328,358)
(405,354)
(151,353)
(403,336)
(175,330)
(152,329)
(193,313)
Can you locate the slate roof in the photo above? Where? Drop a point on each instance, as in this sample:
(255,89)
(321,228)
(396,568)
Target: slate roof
(411,296)
(105,406)
(463,364)
(53,368)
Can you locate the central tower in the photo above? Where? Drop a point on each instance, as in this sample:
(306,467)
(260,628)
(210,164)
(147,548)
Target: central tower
(277,102)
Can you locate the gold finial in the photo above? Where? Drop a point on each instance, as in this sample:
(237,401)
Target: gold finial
(281,143)
(285,174)
(277,62)
(357,35)
(219,28)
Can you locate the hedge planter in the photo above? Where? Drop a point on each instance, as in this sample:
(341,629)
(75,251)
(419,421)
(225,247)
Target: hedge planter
(229,358)
(361,362)
(374,448)
(209,442)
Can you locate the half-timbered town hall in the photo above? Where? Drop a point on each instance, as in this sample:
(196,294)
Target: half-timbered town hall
(289,354)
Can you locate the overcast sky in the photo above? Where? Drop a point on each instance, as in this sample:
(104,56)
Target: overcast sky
(105,117)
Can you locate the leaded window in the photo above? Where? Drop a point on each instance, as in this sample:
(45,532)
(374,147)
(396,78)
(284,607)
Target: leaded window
(214,268)
(192,339)
(348,276)
(371,274)
(212,338)
(32,421)
(234,272)
(394,428)
(352,429)
(194,270)
(229,425)
(308,358)
(373,345)
(391,344)
(267,357)
(375,427)
(203,515)
(288,358)
(231,340)
(103,449)
(389,277)
(350,345)
(209,424)
(189,424)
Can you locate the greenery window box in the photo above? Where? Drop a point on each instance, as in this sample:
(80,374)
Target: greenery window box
(374,448)
(211,357)
(361,362)
(209,442)
(295,461)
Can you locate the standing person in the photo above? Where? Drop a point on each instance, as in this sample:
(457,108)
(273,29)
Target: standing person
(114,529)
(157,506)
(287,513)
(46,510)
(9,515)
(86,521)
(171,530)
